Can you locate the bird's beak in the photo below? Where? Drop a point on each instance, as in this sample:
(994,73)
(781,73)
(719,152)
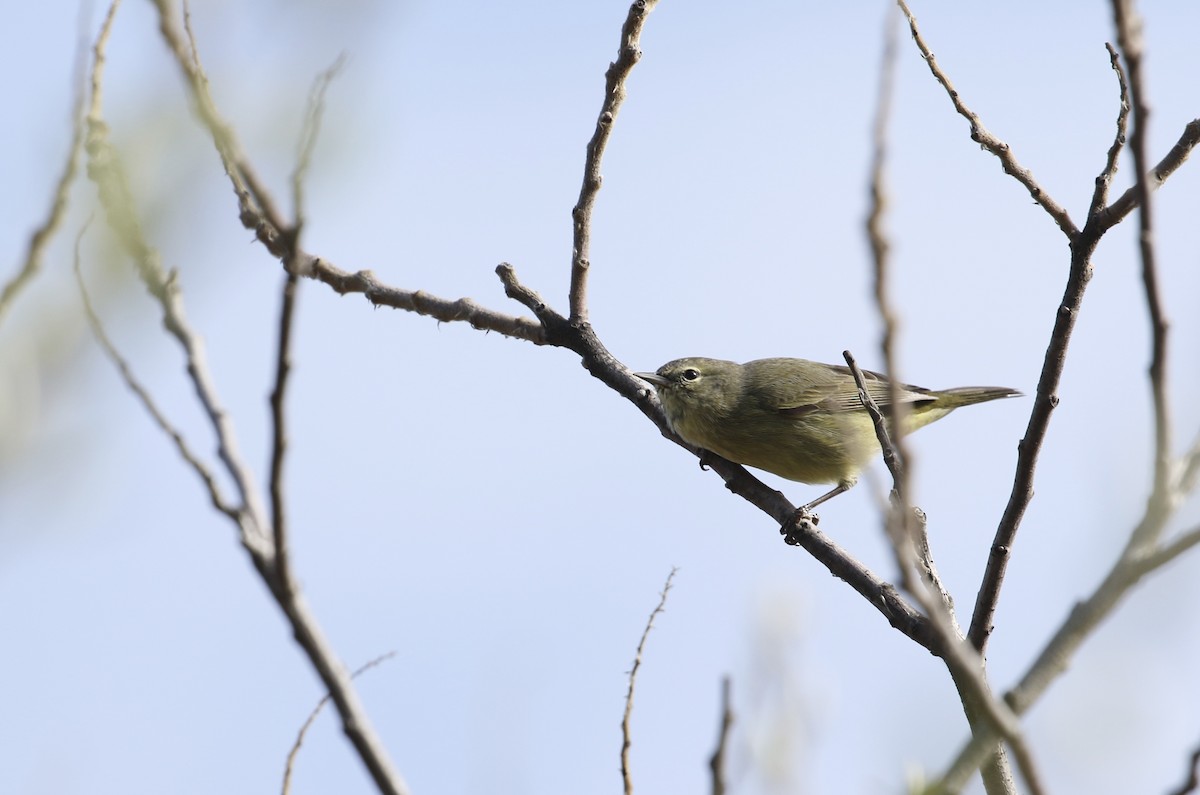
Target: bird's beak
(652,378)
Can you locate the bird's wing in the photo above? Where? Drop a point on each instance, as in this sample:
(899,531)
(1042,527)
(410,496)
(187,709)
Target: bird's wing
(832,389)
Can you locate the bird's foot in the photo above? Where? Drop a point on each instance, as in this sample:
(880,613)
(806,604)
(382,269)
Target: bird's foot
(802,522)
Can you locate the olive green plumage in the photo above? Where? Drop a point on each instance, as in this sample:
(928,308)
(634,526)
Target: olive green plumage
(801,420)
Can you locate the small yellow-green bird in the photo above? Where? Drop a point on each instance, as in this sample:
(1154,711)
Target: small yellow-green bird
(800,420)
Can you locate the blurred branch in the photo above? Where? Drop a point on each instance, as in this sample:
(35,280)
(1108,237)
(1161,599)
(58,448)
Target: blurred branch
(716,762)
(904,524)
(104,168)
(314,112)
(105,171)
(62,189)
(257,207)
(991,143)
(1192,782)
(1189,473)
(893,453)
(1143,551)
(1137,559)
(1129,39)
(1083,245)
(312,717)
(283,367)
(185,452)
(910,545)
(626,742)
(628,55)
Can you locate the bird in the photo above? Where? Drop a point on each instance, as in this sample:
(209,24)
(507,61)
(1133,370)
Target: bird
(795,418)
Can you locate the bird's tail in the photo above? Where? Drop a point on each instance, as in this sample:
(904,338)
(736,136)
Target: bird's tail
(967,395)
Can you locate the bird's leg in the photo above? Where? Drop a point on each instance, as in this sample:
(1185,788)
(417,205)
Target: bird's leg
(706,458)
(845,485)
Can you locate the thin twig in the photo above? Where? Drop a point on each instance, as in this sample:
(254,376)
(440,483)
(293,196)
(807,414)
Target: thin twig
(891,458)
(160,419)
(62,190)
(716,762)
(991,143)
(105,170)
(1104,181)
(314,112)
(312,717)
(628,55)
(256,206)
(258,213)
(626,741)
(1127,202)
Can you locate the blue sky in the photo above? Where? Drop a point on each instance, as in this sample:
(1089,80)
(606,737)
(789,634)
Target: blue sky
(497,517)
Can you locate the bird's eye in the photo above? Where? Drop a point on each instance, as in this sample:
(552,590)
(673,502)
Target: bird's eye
(691,374)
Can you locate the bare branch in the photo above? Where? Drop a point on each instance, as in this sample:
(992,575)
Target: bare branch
(1134,563)
(716,762)
(626,741)
(283,366)
(62,190)
(890,457)
(312,717)
(628,55)
(185,452)
(1127,201)
(1030,447)
(910,545)
(1104,181)
(106,172)
(527,297)
(104,169)
(991,143)
(308,138)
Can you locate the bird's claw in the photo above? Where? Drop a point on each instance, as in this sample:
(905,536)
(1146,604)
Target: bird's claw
(801,522)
